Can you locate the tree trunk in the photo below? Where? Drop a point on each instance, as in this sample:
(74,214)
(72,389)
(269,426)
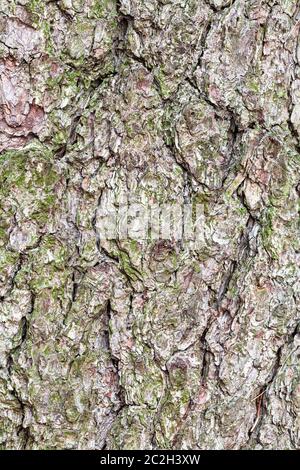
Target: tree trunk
(155,341)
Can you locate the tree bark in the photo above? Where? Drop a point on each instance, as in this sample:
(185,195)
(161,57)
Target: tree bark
(149,343)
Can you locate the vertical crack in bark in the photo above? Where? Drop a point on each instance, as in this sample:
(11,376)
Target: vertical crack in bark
(24,326)
(226,282)
(262,397)
(115,360)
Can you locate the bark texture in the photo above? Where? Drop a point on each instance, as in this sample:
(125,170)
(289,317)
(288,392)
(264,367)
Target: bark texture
(149,345)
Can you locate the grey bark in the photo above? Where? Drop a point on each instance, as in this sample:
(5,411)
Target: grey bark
(154,344)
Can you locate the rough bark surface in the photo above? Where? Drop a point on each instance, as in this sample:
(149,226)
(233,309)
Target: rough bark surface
(149,345)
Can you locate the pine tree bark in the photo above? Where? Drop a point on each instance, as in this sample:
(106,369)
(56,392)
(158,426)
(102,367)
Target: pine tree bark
(147,344)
